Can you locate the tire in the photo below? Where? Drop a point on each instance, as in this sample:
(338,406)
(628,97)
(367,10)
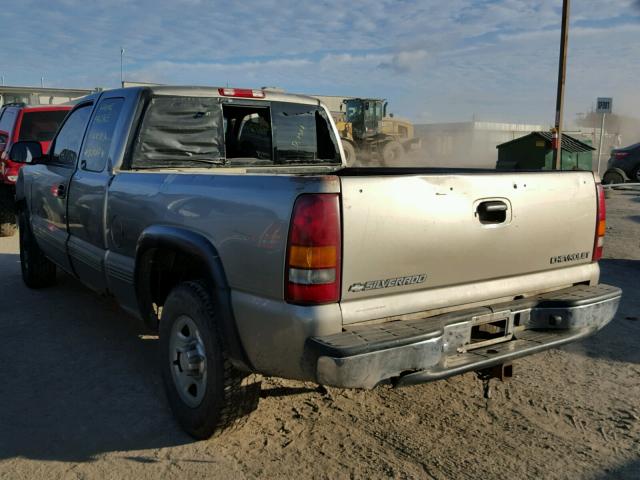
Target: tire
(349,153)
(37,270)
(391,153)
(614,175)
(205,392)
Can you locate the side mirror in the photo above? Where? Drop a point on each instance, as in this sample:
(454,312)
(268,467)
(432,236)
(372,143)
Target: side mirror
(25,152)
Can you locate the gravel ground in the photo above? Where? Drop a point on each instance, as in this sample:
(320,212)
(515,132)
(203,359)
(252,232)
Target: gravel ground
(81,397)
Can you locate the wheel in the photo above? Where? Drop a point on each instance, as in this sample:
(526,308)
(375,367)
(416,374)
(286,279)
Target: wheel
(349,153)
(391,153)
(614,175)
(206,393)
(37,270)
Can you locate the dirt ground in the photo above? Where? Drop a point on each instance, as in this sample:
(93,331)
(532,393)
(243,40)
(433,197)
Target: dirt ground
(81,397)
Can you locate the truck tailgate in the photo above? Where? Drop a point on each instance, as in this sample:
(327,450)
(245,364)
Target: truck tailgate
(404,233)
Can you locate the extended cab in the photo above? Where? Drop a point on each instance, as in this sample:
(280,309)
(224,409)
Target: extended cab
(226,219)
(20,122)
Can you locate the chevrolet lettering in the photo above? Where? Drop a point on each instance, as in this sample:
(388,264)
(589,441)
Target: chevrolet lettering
(572,257)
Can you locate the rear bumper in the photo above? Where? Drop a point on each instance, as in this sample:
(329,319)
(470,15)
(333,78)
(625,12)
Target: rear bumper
(417,351)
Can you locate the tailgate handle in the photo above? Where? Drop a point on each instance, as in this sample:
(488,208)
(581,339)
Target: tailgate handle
(492,211)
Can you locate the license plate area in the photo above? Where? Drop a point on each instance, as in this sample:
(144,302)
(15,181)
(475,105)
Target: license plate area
(490,329)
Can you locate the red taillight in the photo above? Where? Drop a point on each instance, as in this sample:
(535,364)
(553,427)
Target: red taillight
(601,225)
(241,92)
(620,155)
(312,274)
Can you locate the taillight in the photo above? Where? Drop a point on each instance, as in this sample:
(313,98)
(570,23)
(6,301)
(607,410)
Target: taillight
(620,155)
(241,92)
(601,224)
(313,250)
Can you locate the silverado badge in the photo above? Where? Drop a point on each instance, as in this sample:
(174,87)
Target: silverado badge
(388,283)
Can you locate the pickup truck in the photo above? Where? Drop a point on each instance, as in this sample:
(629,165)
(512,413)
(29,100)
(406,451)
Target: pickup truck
(227,220)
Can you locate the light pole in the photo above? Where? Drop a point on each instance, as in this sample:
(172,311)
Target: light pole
(121,67)
(562,70)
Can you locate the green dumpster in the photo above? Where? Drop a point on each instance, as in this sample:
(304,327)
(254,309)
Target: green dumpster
(535,152)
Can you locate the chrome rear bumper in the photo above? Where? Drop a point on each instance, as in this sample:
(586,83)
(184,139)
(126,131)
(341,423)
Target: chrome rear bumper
(417,351)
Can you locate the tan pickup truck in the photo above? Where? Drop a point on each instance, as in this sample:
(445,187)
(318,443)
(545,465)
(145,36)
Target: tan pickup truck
(227,220)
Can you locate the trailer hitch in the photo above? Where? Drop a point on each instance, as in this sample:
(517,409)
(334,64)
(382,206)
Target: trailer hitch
(503,372)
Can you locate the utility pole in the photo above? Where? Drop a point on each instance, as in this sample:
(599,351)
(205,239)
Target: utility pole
(600,142)
(562,70)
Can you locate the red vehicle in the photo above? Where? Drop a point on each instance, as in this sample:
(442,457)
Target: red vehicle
(20,122)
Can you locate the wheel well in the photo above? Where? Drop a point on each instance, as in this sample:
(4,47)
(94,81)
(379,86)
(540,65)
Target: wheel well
(167,256)
(160,269)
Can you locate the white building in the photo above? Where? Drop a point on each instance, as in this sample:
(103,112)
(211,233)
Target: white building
(40,95)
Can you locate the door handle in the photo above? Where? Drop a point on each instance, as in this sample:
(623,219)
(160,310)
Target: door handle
(492,211)
(494,206)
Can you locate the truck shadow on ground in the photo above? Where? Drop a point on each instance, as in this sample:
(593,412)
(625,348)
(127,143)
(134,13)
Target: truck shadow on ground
(618,341)
(76,377)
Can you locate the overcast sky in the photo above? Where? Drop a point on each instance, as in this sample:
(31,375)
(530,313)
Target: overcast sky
(433,60)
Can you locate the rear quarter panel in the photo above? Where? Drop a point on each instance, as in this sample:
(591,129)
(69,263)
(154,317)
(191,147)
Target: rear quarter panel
(245,217)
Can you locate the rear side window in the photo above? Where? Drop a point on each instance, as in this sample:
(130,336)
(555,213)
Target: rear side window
(40,126)
(100,135)
(180,131)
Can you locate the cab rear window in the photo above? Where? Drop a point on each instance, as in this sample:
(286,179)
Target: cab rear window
(40,126)
(192,131)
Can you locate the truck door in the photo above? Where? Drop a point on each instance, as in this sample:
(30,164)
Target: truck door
(51,185)
(88,189)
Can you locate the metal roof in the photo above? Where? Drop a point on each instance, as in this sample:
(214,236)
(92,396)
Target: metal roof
(569,143)
(44,90)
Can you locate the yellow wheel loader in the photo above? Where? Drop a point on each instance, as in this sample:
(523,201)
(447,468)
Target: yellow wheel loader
(370,136)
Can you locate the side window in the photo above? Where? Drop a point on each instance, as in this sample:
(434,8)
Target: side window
(67,143)
(8,119)
(100,135)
